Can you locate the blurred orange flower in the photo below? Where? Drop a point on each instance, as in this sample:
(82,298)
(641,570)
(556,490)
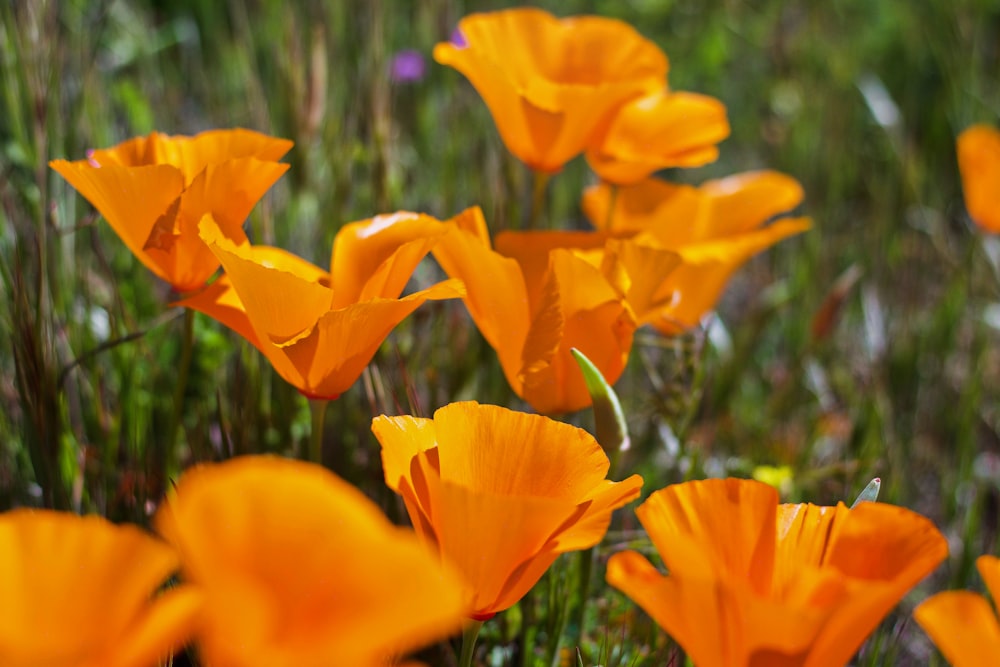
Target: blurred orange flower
(154,190)
(752,582)
(80,591)
(500,493)
(320,329)
(660,130)
(533,306)
(962,624)
(300,569)
(715,228)
(979,164)
(552,84)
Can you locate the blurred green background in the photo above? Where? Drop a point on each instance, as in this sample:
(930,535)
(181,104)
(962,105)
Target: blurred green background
(866,347)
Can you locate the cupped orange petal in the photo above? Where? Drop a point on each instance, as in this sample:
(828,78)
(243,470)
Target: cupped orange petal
(81,591)
(500,493)
(657,131)
(989,570)
(130,199)
(883,551)
(375,258)
(552,84)
(979,164)
(496,292)
(962,625)
(155,190)
(331,356)
(752,583)
(733,521)
(300,568)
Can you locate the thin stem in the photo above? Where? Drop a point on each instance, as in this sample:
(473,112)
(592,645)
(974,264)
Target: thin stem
(612,201)
(180,389)
(469,636)
(317,408)
(537,198)
(587,557)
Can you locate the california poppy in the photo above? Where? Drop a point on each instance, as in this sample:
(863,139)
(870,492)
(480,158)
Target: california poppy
(552,84)
(979,164)
(500,493)
(660,130)
(154,190)
(80,591)
(752,582)
(715,228)
(320,329)
(962,624)
(300,568)
(533,307)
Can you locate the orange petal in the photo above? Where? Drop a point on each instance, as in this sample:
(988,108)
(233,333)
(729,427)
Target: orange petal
(689,609)
(660,130)
(743,202)
(220,302)
(401,439)
(962,625)
(989,570)
(375,258)
(281,294)
(497,297)
(485,447)
(299,568)
(329,357)
(732,520)
(466,525)
(75,590)
(887,550)
(193,154)
(552,84)
(979,163)
(130,199)
(640,207)
(590,528)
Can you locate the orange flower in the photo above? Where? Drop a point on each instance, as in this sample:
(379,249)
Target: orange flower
(979,164)
(753,582)
(319,330)
(80,592)
(535,305)
(715,228)
(660,130)
(300,569)
(500,493)
(552,84)
(962,624)
(154,190)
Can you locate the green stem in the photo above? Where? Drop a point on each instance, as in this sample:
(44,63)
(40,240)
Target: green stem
(537,198)
(469,636)
(317,407)
(180,389)
(612,200)
(587,557)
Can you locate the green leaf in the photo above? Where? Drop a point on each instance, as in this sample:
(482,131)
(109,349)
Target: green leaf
(870,493)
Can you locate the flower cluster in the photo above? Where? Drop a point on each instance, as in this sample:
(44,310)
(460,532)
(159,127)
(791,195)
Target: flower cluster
(269,561)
